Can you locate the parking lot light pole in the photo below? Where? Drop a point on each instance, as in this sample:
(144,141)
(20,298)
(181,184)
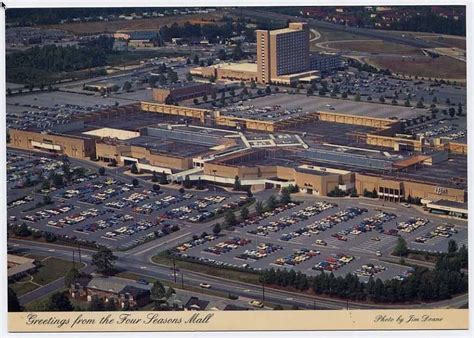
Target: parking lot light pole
(263,290)
(182,281)
(214,172)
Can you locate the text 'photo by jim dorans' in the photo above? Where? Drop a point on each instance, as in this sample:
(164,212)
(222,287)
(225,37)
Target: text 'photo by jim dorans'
(119,319)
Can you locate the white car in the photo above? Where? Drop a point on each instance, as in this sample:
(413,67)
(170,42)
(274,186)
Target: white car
(205,285)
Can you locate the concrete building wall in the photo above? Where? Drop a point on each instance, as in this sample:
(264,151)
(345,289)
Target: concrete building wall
(76,147)
(185,93)
(263,56)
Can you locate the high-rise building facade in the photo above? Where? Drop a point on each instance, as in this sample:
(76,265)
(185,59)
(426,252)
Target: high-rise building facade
(282,51)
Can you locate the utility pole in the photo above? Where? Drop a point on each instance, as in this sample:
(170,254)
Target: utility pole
(263,290)
(182,281)
(174,269)
(73,259)
(80,258)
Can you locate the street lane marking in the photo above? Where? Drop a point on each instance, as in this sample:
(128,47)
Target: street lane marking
(158,245)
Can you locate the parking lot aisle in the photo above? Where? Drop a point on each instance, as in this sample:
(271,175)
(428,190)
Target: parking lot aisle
(372,246)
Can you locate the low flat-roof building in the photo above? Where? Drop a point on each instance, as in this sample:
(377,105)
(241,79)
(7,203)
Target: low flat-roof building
(18,266)
(182,91)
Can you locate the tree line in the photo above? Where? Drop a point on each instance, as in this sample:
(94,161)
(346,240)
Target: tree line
(35,64)
(443,282)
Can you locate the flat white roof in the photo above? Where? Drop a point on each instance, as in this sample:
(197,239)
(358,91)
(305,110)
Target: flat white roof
(113,133)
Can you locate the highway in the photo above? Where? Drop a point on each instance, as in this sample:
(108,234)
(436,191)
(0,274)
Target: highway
(190,278)
(372,33)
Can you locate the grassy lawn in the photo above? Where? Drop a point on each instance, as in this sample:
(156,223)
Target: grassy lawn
(49,270)
(40,303)
(241,276)
(22,288)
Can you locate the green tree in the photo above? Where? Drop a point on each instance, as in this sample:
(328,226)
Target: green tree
(13,302)
(237,184)
(163,178)
(154,177)
(169,292)
(22,230)
(216,229)
(135,182)
(285,196)
(196,59)
(357,97)
(452,246)
(96,304)
(189,77)
(156,187)
(58,301)
(71,277)
(157,291)
(47,200)
(259,207)
(101,171)
(244,213)
(134,169)
(401,249)
(127,86)
(45,185)
(230,219)
(104,260)
(272,202)
(187,182)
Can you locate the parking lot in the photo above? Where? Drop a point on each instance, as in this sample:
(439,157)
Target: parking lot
(325,236)
(109,210)
(309,235)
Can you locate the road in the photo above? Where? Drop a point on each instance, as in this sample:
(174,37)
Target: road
(191,278)
(391,37)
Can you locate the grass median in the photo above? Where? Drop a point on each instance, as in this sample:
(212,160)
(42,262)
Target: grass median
(165,258)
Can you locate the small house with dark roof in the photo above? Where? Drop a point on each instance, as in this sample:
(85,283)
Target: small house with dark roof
(124,292)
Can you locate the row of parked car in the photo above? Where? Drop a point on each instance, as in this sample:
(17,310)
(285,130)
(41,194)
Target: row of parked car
(412,224)
(333,262)
(325,223)
(102,224)
(227,245)
(205,214)
(47,213)
(20,201)
(194,242)
(375,222)
(129,230)
(298,257)
(262,251)
(86,192)
(76,218)
(266,214)
(445,230)
(369,270)
(295,217)
(20,169)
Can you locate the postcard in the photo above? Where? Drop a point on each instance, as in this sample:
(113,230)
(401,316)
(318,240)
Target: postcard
(204,168)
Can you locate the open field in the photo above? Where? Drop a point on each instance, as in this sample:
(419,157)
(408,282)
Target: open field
(133,25)
(374,46)
(458,42)
(442,67)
